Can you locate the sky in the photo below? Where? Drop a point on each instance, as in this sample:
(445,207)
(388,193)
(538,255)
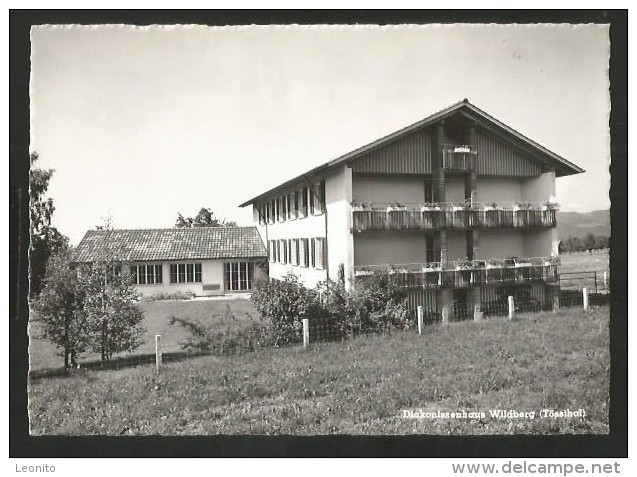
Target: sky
(141,123)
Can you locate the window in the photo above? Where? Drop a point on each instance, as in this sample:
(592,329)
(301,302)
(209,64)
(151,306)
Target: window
(293,208)
(113,272)
(294,258)
(282,206)
(261,214)
(304,252)
(431,256)
(319,253)
(313,253)
(271,251)
(185,273)
(238,275)
(303,202)
(429,192)
(146,274)
(317,198)
(283,252)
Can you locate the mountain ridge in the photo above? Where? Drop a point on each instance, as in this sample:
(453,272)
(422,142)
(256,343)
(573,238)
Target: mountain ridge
(578,224)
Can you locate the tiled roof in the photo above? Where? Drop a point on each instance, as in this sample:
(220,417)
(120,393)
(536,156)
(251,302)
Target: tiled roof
(197,243)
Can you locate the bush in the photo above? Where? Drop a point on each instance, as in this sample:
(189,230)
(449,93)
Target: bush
(229,341)
(177,295)
(285,303)
(376,304)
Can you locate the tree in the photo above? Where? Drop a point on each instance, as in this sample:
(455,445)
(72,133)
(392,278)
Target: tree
(107,222)
(589,242)
(561,247)
(46,240)
(204,218)
(574,244)
(602,242)
(114,319)
(60,308)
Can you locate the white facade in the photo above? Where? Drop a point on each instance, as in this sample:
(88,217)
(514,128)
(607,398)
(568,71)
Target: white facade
(213,280)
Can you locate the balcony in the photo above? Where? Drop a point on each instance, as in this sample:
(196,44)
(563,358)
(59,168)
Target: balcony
(465,274)
(459,158)
(525,215)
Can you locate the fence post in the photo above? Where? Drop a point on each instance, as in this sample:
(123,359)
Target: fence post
(445,314)
(477,313)
(158,353)
(605,280)
(556,301)
(511,308)
(585,298)
(420,319)
(306,332)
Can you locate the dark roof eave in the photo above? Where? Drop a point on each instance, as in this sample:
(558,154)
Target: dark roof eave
(188,259)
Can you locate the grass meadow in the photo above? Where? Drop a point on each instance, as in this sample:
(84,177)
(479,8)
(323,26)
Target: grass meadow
(574,264)
(597,261)
(221,313)
(551,360)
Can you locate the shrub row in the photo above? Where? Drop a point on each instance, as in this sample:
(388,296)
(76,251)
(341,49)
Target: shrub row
(375,305)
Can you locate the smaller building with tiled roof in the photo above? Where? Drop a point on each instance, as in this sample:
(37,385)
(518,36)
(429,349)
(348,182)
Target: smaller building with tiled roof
(200,260)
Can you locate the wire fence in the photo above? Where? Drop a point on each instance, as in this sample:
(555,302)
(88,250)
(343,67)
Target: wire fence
(595,281)
(476,304)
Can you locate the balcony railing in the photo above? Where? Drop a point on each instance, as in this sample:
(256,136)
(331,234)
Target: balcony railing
(462,274)
(368,217)
(459,157)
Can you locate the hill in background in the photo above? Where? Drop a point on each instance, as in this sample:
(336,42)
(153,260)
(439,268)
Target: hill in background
(578,224)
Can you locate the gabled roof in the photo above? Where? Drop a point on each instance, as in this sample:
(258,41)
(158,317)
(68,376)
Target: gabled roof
(562,166)
(198,243)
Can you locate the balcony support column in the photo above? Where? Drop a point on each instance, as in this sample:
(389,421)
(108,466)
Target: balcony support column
(440,243)
(446,299)
(471,184)
(439,188)
(477,304)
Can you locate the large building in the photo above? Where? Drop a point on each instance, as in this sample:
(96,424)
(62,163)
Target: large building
(199,261)
(459,207)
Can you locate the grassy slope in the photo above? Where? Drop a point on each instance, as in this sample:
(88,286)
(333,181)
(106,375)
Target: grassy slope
(596,261)
(551,360)
(43,354)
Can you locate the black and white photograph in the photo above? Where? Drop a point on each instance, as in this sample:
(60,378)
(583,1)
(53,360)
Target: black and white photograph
(310,230)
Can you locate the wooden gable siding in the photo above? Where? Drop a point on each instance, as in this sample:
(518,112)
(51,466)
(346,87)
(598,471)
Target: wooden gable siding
(410,155)
(496,158)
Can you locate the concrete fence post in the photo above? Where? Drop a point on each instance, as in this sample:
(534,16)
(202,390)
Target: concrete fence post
(445,314)
(306,332)
(585,298)
(420,319)
(511,308)
(158,353)
(605,280)
(556,301)
(477,313)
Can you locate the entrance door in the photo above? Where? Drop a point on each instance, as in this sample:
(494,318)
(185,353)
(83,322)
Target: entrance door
(460,305)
